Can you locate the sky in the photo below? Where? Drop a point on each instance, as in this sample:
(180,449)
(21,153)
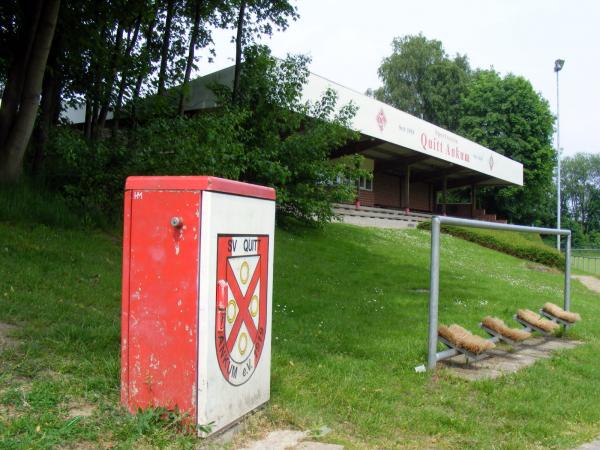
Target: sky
(348,39)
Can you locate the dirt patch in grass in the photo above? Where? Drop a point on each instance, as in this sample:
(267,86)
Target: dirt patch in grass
(81,410)
(541,268)
(6,341)
(20,381)
(9,412)
(80,445)
(51,375)
(420,291)
(87,445)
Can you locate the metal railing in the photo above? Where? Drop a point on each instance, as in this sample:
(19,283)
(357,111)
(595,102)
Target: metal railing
(434,280)
(586,263)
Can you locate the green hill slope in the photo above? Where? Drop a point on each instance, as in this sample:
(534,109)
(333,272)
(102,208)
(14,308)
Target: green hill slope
(349,326)
(522,245)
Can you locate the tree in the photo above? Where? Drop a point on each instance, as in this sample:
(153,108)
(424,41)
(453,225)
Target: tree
(509,117)
(421,79)
(49,106)
(132,40)
(253,18)
(24,84)
(580,179)
(166,42)
(99,54)
(200,10)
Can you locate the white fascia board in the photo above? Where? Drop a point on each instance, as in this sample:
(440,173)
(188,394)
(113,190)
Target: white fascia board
(381,121)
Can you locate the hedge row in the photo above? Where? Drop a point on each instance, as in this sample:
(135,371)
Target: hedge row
(522,245)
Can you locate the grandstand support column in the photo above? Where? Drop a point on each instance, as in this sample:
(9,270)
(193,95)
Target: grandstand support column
(473,200)
(405,200)
(444,194)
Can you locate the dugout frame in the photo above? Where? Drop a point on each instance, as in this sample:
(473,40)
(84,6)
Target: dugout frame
(434,273)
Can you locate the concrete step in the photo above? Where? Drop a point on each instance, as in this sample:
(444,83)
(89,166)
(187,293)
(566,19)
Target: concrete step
(490,218)
(378,215)
(378,222)
(344,208)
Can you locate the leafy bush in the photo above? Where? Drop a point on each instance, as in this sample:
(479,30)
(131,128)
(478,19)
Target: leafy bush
(92,174)
(206,144)
(522,245)
(89,174)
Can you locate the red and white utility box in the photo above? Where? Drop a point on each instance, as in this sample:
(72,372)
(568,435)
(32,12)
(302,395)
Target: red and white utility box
(197,291)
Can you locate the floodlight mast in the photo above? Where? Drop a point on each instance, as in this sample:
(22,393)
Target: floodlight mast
(558,65)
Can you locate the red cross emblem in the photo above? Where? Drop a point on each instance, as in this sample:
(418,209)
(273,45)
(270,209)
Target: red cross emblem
(241,304)
(381,119)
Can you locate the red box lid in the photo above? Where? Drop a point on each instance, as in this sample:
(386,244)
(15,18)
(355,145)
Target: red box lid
(199,183)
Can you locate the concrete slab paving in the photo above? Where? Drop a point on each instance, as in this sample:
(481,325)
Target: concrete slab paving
(290,440)
(595,445)
(309,445)
(590,282)
(278,440)
(502,361)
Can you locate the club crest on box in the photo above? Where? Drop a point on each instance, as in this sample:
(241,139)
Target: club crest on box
(241,304)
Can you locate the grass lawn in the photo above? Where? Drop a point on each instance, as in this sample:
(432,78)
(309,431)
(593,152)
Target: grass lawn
(349,326)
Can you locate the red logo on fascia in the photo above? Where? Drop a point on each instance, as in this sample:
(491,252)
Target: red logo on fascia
(381,120)
(435,144)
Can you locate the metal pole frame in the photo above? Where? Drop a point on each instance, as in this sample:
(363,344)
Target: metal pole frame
(434,275)
(558,164)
